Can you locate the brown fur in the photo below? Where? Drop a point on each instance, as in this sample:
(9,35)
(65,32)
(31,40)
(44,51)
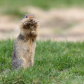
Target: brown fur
(25,44)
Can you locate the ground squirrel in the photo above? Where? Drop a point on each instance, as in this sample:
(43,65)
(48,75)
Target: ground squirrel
(25,44)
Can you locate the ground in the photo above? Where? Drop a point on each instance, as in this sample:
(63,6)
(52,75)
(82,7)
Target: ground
(65,24)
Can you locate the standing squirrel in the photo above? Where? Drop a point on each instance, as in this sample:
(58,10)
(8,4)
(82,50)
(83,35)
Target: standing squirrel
(25,44)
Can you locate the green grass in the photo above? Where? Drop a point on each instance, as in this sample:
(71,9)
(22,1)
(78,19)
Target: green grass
(13,6)
(54,63)
(40,3)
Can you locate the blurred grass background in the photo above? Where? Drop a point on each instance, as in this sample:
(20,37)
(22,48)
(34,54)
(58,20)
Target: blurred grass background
(58,16)
(13,6)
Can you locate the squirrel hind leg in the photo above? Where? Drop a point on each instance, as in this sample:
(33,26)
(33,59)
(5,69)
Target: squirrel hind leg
(16,64)
(30,63)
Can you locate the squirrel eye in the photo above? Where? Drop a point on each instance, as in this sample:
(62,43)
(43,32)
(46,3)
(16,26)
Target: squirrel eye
(26,17)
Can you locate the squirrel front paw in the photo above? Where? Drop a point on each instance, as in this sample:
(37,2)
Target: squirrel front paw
(32,32)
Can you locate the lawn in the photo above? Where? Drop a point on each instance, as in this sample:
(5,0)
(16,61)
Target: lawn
(13,7)
(54,63)
(40,3)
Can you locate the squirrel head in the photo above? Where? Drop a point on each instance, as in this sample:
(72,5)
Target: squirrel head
(28,23)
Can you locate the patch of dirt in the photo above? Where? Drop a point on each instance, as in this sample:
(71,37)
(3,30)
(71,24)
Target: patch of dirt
(55,24)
